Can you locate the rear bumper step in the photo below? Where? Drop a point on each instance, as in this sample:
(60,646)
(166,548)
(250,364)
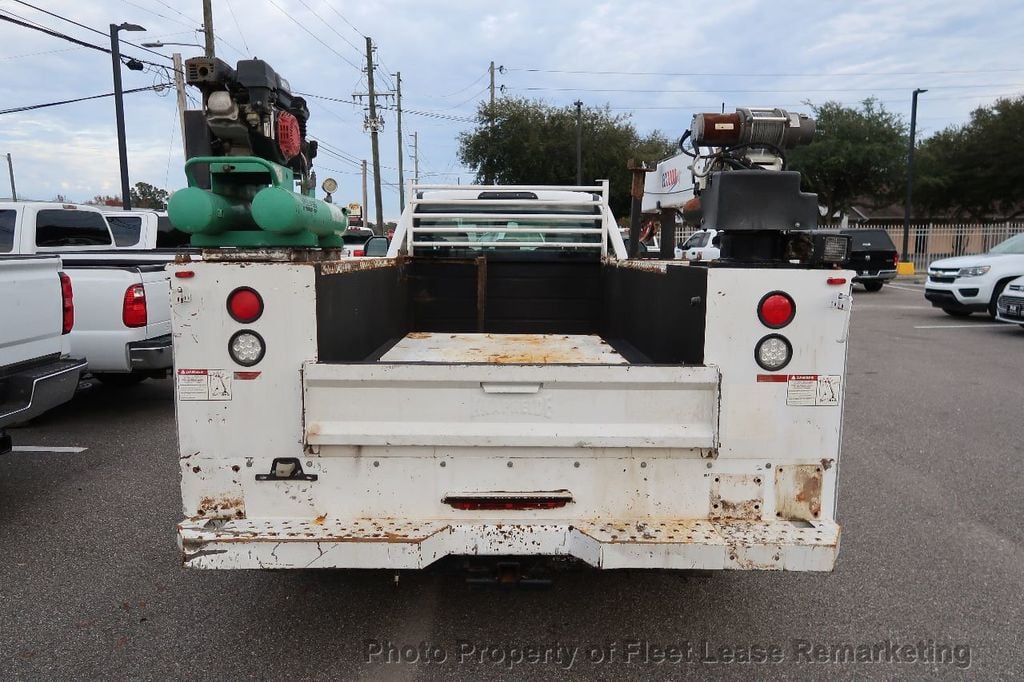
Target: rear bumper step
(392,544)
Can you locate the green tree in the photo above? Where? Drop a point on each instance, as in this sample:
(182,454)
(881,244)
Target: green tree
(145,195)
(970,170)
(858,155)
(521,141)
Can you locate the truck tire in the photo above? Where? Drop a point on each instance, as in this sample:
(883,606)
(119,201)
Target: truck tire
(956,312)
(120,380)
(873,286)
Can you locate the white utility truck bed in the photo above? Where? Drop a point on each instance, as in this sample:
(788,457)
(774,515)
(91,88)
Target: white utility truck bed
(506,382)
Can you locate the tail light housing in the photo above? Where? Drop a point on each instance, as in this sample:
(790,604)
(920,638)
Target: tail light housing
(67,298)
(245,305)
(246,347)
(133,314)
(359,253)
(776,309)
(773,352)
(895,260)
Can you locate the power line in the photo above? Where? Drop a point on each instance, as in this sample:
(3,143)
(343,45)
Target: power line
(45,29)
(36,54)
(461,90)
(174,9)
(799,90)
(315,37)
(342,17)
(155,13)
(239,27)
(32,107)
(428,114)
(327,23)
(766,75)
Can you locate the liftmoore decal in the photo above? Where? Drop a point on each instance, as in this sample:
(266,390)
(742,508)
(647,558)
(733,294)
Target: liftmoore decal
(669,178)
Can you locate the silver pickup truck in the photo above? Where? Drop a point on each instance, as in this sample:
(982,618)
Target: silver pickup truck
(36,314)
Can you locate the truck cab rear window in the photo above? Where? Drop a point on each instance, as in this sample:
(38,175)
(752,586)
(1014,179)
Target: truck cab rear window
(6,231)
(127,229)
(167,237)
(71,228)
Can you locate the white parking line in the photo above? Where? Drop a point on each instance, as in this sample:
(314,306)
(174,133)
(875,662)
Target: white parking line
(48,448)
(916,288)
(958,326)
(882,306)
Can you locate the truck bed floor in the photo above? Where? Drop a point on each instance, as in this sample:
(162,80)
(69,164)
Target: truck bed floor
(527,349)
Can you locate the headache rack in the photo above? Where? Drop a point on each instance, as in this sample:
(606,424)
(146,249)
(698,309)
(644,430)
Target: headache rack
(467,217)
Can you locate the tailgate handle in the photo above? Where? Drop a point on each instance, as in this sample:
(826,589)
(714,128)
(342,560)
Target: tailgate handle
(492,387)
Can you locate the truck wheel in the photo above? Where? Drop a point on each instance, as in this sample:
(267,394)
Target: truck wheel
(956,312)
(995,296)
(120,380)
(873,286)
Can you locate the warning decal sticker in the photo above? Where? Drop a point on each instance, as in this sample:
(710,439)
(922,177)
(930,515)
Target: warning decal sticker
(204,384)
(807,389)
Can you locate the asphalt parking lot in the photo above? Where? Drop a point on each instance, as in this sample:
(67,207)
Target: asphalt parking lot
(932,552)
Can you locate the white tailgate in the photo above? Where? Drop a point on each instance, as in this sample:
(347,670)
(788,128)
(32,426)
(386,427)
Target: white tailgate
(511,405)
(30,309)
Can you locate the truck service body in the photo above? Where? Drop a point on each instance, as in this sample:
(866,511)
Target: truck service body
(506,383)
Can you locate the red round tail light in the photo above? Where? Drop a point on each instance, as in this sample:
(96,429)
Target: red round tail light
(245,305)
(776,309)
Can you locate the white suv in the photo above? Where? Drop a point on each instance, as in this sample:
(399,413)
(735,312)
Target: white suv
(972,284)
(1010,306)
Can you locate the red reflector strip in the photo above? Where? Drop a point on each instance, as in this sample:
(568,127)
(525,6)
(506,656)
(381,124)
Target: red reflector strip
(836,280)
(506,503)
(247,376)
(772,378)
(185,274)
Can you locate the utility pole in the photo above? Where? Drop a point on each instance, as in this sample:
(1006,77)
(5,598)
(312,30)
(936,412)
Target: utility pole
(366,209)
(401,173)
(208,27)
(374,124)
(491,70)
(489,175)
(416,158)
(910,176)
(579,142)
(179,85)
(10,169)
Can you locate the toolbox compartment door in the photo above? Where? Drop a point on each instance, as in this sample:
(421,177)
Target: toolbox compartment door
(487,405)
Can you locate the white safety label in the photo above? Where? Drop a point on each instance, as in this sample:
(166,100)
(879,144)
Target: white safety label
(813,389)
(204,384)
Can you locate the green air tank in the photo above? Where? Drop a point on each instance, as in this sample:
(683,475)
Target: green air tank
(275,209)
(199,211)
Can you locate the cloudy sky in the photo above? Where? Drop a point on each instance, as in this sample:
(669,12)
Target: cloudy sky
(661,61)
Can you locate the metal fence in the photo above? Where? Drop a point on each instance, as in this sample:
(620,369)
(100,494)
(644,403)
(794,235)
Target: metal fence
(931,241)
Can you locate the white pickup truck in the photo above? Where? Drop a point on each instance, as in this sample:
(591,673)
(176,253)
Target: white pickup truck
(144,229)
(506,382)
(123,314)
(36,314)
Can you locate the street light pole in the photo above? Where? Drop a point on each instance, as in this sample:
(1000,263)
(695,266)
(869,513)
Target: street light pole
(910,176)
(122,147)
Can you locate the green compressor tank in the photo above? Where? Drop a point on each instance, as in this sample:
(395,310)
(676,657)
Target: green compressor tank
(251,203)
